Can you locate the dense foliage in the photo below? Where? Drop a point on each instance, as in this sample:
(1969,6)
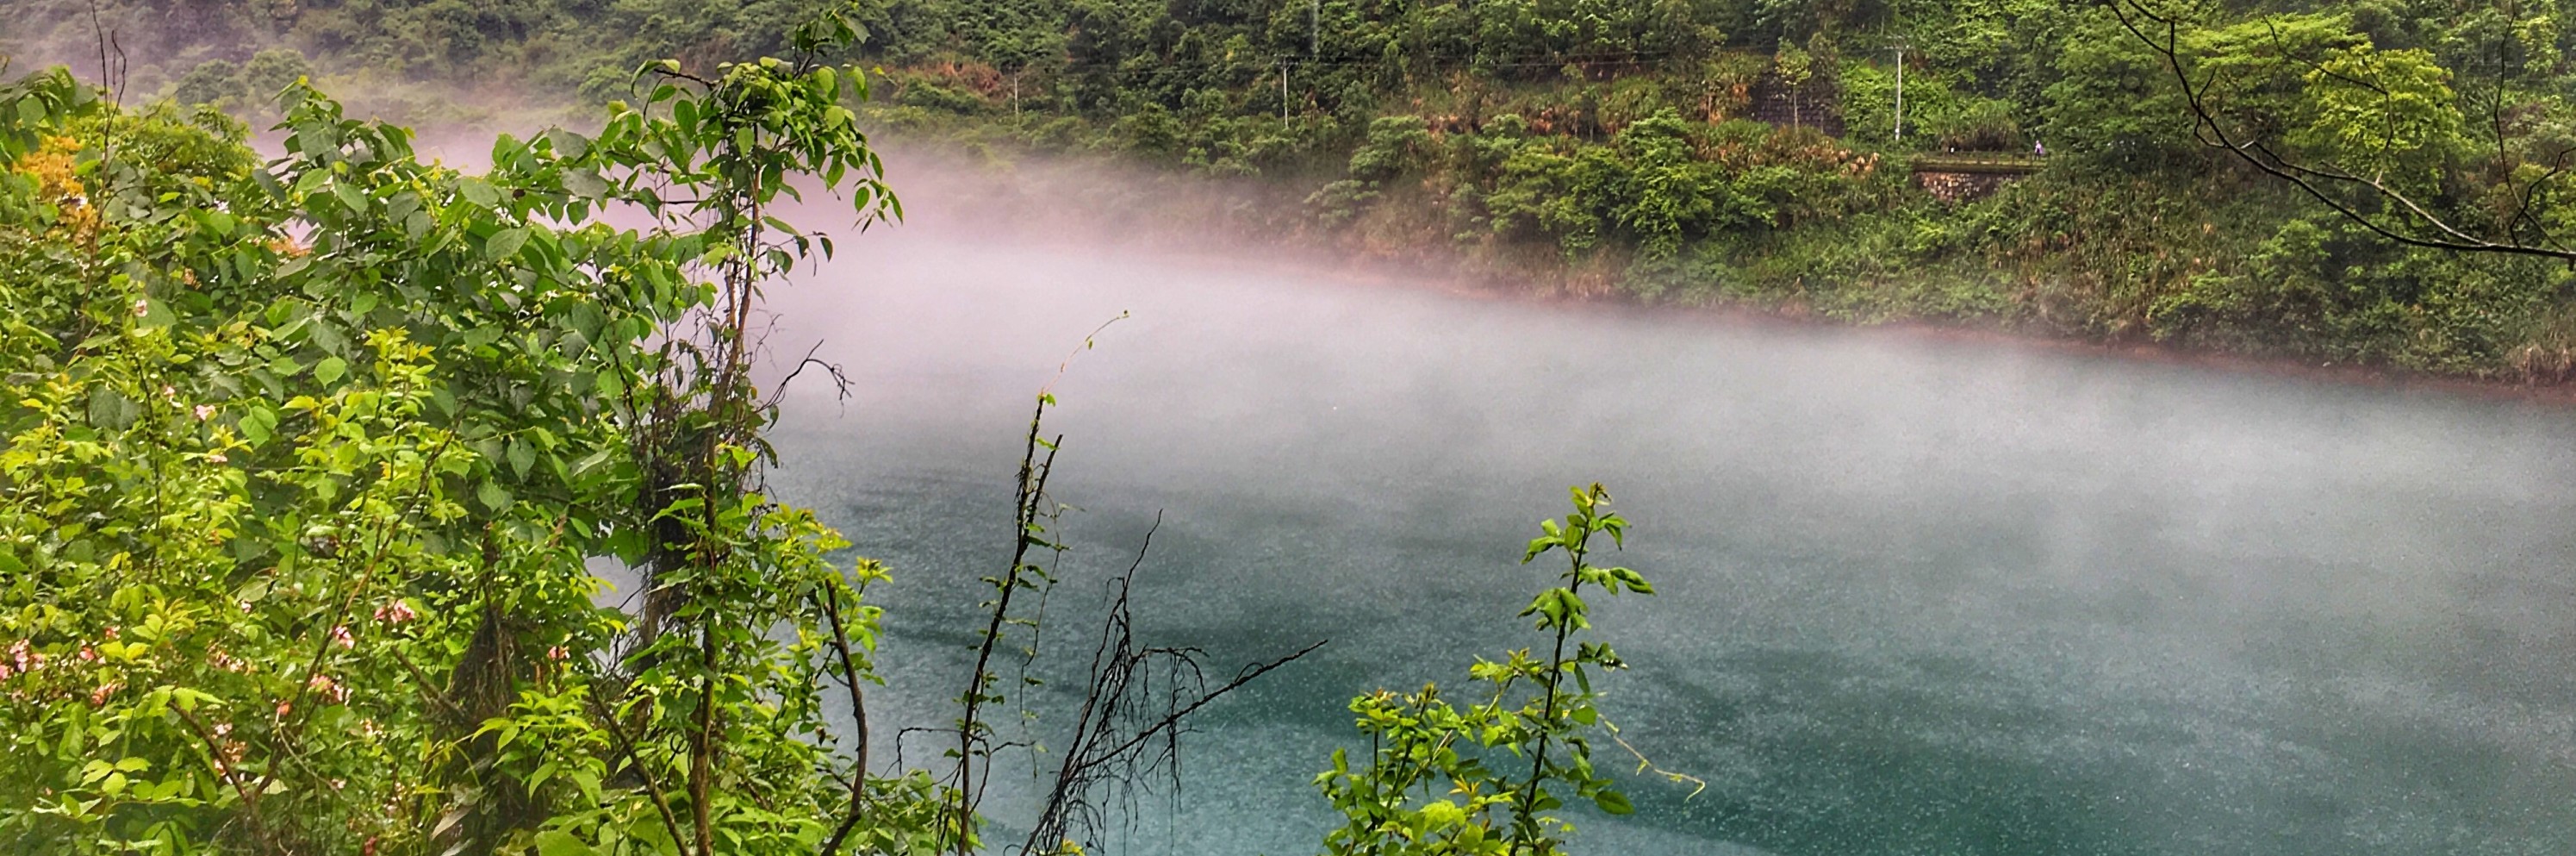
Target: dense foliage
(1696,151)
(311,462)
(306,461)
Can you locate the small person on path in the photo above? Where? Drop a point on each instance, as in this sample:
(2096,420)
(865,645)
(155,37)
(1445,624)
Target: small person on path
(2038,149)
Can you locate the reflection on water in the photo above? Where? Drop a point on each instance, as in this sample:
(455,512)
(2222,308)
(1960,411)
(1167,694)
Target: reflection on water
(1917,597)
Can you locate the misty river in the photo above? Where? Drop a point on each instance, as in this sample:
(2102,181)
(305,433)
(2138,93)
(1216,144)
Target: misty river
(1917,596)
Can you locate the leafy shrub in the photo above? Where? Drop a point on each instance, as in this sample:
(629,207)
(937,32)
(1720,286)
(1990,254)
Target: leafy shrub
(1978,125)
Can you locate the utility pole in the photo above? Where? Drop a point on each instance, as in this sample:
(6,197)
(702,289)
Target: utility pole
(1900,91)
(1283,92)
(1896,11)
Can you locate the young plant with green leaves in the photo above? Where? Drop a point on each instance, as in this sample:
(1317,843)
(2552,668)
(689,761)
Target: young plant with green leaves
(1487,778)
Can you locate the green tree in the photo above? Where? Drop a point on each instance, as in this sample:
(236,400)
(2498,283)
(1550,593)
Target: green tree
(215,82)
(271,71)
(2385,114)
(307,459)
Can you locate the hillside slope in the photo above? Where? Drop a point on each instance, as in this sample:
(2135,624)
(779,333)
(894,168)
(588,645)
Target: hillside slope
(1732,152)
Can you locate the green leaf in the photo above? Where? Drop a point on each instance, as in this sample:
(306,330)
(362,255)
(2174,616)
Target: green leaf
(351,195)
(1634,581)
(556,842)
(330,369)
(478,191)
(504,244)
(521,455)
(1613,802)
(258,425)
(493,495)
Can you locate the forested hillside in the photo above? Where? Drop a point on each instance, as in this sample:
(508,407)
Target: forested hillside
(1693,151)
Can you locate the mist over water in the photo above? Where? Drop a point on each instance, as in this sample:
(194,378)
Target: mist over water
(1916,596)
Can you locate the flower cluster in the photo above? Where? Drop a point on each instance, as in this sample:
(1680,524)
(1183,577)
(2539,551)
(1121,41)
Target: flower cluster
(396,612)
(21,660)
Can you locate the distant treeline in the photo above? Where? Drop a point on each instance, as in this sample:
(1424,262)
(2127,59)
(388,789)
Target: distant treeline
(1747,152)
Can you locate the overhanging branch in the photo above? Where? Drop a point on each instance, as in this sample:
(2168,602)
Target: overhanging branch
(2163,35)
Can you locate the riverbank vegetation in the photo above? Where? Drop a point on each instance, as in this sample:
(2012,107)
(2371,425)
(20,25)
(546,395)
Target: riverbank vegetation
(1715,152)
(1749,154)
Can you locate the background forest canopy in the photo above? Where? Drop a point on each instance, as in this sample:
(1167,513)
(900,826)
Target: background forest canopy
(1734,152)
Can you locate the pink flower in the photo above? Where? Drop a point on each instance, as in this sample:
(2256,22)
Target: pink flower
(556,653)
(205,411)
(396,612)
(216,457)
(142,307)
(340,636)
(329,689)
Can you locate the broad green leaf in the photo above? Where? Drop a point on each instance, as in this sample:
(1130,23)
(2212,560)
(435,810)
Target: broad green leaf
(478,191)
(352,196)
(493,495)
(257,424)
(504,244)
(520,456)
(330,370)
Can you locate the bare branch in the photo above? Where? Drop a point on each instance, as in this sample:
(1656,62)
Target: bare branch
(1110,736)
(831,371)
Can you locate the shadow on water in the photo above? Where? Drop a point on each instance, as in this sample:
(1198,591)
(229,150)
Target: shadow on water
(1917,596)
